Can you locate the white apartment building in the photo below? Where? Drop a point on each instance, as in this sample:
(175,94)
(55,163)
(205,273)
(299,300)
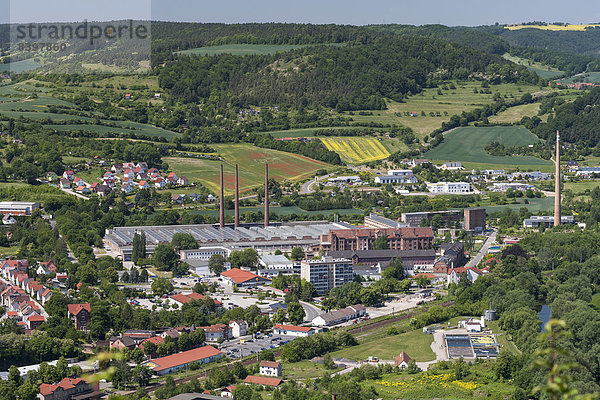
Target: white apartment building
(327,273)
(395,176)
(449,187)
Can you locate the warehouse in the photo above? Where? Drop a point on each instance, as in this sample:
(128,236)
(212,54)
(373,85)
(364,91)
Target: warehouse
(267,239)
(179,361)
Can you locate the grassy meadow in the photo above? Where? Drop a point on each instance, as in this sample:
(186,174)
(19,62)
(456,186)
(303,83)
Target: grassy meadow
(515,114)
(415,343)
(450,102)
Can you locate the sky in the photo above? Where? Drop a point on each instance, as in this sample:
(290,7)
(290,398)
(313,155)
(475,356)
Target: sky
(355,12)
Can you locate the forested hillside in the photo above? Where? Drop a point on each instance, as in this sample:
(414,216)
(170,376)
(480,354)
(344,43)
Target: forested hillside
(347,78)
(577,121)
(463,36)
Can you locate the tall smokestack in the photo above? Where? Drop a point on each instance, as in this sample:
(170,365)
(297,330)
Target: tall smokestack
(222,203)
(557,183)
(266,194)
(237,199)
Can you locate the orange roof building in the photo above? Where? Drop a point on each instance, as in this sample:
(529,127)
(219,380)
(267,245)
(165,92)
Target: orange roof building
(240,278)
(262,380)
(292,330)
(179,361)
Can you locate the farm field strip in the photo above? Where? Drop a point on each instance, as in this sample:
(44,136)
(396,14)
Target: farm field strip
(356,149)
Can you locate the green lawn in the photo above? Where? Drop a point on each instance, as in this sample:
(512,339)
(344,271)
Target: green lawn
(415,343)
(304,370)
(467,144)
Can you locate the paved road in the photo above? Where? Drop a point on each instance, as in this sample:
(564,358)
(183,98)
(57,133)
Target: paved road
(75,194)
(307,186)
(311,311)
(474,262)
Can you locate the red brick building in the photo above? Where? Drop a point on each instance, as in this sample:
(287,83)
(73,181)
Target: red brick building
(69,388)
(79,314)
(362,239)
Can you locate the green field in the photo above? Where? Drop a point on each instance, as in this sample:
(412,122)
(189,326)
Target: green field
(534,206)
(356,150)
(415,343)
(467,144)
(251,161)
(20,66)
(450,102)
(242,49)
(588,77)
(544,71)
(303,132)
(582,186)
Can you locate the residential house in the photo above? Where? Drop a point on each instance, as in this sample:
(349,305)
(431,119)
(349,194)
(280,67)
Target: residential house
(65,183)
(70,175)
(238,328)
(160,183)
(45,268)
(117,168)
(172,178)
(183,181)
(103,190)
(402,360)
(270,368)
(144,185)
(67,389)
(79,314)
(128,173)
(127,188)
(215,332)
(77,181)
(34,321)
(172,333)
(122,342)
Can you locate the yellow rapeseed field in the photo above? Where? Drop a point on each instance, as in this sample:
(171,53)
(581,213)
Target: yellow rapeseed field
(576,27)
(357,150)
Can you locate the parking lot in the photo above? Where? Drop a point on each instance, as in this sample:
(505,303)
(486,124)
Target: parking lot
(235,349)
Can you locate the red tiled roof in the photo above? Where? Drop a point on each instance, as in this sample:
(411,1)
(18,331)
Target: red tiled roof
(425,274)
(185,357)
(241,276)
(262,380)
(155,339)
(215,328)
(65,384)
(270,364)
(293,328)
(185,298)
(402,357)
(76,308)
(36,318)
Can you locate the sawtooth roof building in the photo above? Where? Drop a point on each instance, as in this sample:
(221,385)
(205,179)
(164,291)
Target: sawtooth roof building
(264,239)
